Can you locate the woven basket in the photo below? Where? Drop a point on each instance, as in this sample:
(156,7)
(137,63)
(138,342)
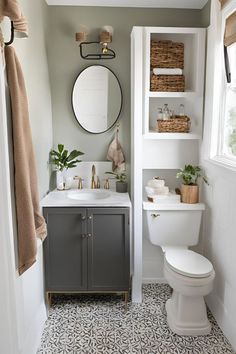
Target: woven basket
(178,124)
(167,54)
(167,83)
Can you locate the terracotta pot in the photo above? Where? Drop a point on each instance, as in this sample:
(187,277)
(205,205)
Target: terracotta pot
(189,193)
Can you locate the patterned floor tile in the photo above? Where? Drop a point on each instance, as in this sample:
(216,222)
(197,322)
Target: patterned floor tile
(93,324)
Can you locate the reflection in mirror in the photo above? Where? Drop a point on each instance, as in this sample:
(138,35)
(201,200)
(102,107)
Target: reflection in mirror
(97,99)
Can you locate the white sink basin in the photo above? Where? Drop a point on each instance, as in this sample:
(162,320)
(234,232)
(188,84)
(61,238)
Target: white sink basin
(88,195)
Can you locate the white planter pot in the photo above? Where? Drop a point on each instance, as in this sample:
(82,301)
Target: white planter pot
(60,180)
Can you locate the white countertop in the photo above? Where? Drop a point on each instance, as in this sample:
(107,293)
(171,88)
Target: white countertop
(63,199)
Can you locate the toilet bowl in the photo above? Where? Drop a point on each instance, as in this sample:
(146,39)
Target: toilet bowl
(191,276)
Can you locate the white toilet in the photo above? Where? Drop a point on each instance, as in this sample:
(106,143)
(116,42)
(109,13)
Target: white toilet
(189,274)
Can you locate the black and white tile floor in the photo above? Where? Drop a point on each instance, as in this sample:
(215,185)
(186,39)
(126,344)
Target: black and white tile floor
(92,324)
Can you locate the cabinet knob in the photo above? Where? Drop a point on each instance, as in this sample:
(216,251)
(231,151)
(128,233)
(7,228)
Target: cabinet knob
(83,235)
(90,217)
(89,235)
(83,217)
(155,215)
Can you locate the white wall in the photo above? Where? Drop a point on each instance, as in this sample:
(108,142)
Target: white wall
(219,241)
(27,311)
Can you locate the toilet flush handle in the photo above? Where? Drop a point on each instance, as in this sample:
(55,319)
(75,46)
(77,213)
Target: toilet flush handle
(155,215)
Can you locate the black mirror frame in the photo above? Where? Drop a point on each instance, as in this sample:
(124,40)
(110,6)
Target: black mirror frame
(121,103)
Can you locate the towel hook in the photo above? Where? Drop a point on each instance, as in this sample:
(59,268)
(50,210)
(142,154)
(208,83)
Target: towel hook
(12,35)
(117,127)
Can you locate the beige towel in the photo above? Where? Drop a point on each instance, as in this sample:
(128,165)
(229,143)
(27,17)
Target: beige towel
(30,222)
(116,155)
(21,27)
(10,8)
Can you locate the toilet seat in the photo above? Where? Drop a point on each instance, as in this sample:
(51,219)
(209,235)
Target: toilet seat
(188,263)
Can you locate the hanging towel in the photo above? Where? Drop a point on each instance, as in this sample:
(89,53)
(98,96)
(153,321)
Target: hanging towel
(116,155)
(21,27)
(10,8)
(30,223)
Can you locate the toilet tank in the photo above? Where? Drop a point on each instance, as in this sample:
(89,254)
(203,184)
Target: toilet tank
(174,225)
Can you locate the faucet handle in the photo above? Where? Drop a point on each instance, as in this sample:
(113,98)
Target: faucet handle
(98,183)
(80,181)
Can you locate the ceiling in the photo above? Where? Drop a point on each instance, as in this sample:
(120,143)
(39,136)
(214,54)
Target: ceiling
(188,4)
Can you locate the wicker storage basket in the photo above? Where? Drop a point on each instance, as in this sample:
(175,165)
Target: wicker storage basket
(167,54)
(178,124)
(167,83)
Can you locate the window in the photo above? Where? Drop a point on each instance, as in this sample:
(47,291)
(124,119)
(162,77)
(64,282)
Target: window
(224,141)
(228,135)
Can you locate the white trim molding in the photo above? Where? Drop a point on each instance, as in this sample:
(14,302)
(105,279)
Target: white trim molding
(180,4)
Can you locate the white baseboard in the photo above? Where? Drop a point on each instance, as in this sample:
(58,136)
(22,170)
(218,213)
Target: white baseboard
(33,338)
(154,281)
(227,326)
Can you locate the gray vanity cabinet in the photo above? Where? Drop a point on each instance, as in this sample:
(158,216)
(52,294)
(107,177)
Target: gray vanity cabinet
(87,249)
(108,249)
(65,252)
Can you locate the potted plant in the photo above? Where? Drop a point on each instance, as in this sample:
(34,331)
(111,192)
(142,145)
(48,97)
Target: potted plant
(190,188)
(63,160)
(121,184)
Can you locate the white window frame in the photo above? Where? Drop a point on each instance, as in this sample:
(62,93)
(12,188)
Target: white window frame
(218,119)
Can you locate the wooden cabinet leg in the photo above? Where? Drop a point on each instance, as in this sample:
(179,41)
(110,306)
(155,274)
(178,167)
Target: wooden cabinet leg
(49,299)
(126,297)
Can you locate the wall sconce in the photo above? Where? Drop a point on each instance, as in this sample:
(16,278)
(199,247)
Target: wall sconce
(105,37)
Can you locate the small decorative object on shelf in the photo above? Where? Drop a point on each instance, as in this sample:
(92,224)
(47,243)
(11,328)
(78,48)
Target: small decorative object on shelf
(158,192)
(181,110)
(165,112)
(159,113)
(190,188)
(121,184)
(63,160)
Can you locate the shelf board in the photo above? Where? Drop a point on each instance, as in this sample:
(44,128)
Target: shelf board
(152,135)
(186,94)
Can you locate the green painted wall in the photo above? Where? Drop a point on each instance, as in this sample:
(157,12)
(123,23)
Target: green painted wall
(65,63)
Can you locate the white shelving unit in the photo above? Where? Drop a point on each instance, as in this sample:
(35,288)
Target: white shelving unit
(192,98)
(161,151)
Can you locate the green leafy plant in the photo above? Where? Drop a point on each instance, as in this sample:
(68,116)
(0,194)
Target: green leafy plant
(121,177)
(190,174)
(232,138)
(62,159)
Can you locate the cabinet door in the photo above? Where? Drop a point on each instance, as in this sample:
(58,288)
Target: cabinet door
(65,249)
(108,249)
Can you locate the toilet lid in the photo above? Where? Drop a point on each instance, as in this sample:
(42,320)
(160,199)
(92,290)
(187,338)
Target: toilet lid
(189,263)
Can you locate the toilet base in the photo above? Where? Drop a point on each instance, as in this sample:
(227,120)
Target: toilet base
(186,315)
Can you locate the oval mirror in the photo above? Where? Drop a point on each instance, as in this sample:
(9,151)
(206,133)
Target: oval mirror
(97,99)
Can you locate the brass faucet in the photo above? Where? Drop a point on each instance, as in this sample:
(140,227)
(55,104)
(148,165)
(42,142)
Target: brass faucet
(93,182)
